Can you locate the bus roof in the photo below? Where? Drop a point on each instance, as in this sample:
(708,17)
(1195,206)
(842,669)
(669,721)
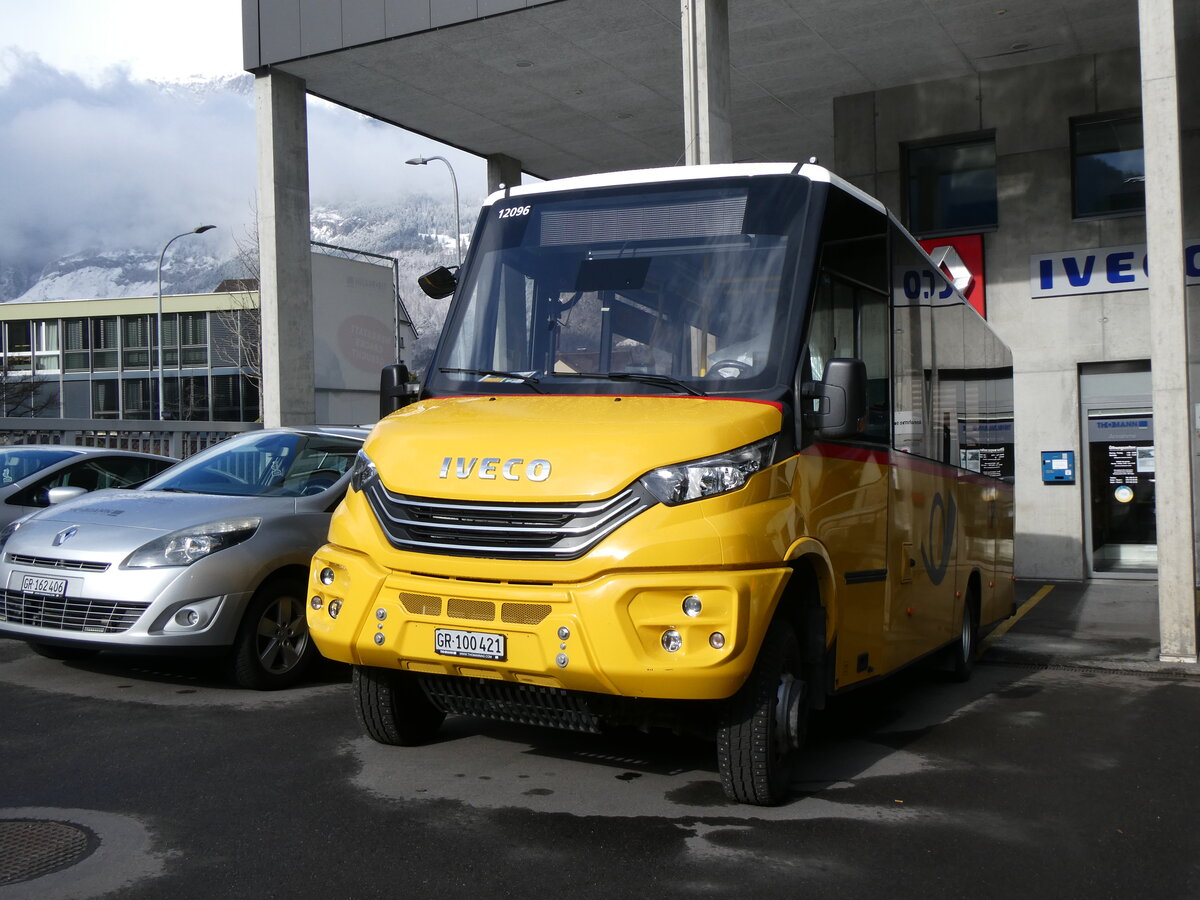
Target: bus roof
(810,171)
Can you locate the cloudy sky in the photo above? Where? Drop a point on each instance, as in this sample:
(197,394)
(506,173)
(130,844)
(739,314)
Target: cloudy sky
(98,154)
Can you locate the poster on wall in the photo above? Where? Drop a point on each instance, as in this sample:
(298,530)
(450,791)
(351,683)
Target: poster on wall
(1121,458)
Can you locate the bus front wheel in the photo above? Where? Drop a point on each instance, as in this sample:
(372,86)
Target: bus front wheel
(392,708)
(763,724)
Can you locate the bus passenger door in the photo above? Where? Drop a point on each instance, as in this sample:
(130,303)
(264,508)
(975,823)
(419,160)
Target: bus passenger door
(844,485)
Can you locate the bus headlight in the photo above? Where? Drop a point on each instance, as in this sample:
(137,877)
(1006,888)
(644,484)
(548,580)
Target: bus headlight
(709,477)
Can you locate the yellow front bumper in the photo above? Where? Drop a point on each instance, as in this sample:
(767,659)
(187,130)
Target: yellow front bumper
(603,636)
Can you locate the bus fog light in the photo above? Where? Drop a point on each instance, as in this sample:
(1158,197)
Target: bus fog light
(563,633)
(692,605)
(316,602)
(716,640)
(335,608)
(326,575)
(561,660)
(672,640)
(379,638)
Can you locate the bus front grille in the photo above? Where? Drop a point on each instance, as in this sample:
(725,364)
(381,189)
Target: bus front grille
(537,531)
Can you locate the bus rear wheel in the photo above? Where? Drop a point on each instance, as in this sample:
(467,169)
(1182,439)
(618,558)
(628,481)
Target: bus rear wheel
(392,708)
(763,724)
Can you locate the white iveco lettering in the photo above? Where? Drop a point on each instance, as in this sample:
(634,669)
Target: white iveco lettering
(535,469)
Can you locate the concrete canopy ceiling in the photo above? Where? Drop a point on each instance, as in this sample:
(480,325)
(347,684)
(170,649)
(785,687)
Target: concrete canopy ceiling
(581,86)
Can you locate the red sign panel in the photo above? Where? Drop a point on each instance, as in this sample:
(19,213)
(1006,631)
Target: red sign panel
(961,258)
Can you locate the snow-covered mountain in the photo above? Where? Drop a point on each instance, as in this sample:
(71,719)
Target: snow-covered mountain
(121,273)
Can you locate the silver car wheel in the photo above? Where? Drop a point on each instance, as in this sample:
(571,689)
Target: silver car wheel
(273,649)
(282,635)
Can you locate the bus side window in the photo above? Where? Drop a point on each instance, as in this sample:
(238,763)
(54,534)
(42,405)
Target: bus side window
(849,320)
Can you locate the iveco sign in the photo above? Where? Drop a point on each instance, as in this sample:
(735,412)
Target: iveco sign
(491,467)
(1101,271)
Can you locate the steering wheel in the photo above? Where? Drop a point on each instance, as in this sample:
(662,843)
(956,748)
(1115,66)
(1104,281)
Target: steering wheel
(318,481)
(739,367)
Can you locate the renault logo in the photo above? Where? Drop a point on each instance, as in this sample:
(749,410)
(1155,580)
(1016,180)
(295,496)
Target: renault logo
(64,535)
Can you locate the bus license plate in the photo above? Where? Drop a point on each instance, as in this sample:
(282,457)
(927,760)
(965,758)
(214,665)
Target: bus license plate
(51,587)
(472,644)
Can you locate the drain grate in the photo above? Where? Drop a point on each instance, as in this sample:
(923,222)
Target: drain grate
(31,848)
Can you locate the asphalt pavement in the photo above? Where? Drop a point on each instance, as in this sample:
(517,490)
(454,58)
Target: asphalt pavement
(1064,768)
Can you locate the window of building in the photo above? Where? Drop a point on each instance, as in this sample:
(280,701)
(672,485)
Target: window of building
(136,341)
(45,344)
(16,346)
(950,186)
(76,357)
(105,336)
(138,394)
(193,401)
(106,402)
(193,328)
(1108,169)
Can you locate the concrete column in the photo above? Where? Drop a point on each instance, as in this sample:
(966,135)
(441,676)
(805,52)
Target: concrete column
(504,170)
(707,125)
(285,264)
(1168,332)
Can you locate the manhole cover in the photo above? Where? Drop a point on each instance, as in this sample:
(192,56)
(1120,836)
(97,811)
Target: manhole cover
(31,848)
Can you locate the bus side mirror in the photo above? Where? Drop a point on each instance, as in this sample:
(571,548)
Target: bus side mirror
(839,401)
(439,282)
(393,388)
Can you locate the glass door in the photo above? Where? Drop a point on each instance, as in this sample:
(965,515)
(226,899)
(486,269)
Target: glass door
(1119,477)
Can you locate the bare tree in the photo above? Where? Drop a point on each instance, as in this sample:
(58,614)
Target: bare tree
(240,341)
(22,393)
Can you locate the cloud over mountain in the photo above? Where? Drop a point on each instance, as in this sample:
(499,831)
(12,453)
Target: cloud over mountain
(117,165)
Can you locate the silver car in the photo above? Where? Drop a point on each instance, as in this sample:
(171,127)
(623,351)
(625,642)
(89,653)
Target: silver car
(211,556)
(34,476)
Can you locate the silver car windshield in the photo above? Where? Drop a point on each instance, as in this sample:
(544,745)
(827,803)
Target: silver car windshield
(263,465)
(686,290)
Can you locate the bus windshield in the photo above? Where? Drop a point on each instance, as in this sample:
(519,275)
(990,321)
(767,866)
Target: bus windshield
(675,289)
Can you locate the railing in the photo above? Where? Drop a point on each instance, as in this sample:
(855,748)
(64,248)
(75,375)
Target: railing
(178,439)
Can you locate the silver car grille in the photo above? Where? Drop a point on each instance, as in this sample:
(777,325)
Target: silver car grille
(536,531)
(49,562)
(68,613)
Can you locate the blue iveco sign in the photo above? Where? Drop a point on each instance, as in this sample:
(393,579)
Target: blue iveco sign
(1101,270)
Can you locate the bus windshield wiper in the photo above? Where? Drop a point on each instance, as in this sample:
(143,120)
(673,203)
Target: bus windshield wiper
(496,373)
(643,377)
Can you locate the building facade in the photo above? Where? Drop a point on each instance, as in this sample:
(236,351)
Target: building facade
(1041,167)
(99,359)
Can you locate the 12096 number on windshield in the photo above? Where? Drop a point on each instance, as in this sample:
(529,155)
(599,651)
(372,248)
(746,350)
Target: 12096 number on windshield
(472,644)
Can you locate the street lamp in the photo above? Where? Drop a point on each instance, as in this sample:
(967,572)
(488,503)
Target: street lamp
(200,230)
(422,160)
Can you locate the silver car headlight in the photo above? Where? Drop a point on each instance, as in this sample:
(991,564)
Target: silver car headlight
(363,471)
(187,545)
(709,477)
(9,530)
